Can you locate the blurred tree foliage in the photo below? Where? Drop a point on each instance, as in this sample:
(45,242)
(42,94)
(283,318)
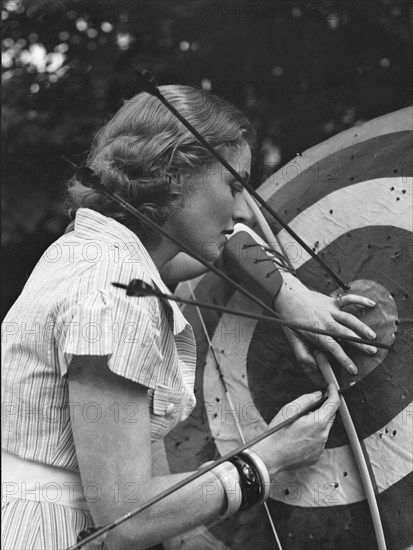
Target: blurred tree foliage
(303,71)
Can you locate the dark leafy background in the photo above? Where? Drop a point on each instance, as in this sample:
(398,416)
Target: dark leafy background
(303,71)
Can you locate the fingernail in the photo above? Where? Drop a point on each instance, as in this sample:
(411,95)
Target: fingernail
(371,334)
(371,350)
(318,394)
(371,303)
(352,368)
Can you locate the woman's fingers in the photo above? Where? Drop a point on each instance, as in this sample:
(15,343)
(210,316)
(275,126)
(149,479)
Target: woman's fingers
(329,345)
(326,413)
(354,300)
(306,400)
(296,406)
(357,328)
(300,347)
(351,322)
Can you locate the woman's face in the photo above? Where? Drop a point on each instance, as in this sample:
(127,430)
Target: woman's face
(215,204)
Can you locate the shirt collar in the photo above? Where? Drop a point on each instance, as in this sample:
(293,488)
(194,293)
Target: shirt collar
(90,224)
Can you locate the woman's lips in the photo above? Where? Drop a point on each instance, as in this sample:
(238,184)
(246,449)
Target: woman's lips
(226,237)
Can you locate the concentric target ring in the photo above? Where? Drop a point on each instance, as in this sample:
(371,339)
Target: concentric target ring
(240,334)
(351,199)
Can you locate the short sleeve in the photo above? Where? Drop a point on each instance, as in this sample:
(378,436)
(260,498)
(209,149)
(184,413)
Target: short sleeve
(118,326)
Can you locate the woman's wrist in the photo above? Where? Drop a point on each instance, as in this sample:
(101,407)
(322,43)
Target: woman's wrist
(290,287)
(269,456)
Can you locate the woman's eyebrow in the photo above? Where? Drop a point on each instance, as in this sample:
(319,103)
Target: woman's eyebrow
(244,175)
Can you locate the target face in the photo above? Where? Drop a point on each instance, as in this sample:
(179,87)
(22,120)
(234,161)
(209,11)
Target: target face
(351,200)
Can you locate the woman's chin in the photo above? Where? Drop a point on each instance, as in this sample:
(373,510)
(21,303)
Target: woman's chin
(212,250)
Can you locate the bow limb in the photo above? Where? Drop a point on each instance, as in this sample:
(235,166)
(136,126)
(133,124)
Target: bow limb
(262,222)
(330,378)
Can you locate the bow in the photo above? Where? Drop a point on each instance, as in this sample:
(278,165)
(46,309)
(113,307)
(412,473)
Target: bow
(90,179)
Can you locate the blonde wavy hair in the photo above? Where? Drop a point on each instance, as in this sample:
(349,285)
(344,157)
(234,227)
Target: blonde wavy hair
(144,153)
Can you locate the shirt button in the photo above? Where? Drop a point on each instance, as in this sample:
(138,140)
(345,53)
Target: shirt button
(169,409)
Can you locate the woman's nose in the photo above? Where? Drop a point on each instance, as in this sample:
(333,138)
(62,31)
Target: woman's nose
(242,212)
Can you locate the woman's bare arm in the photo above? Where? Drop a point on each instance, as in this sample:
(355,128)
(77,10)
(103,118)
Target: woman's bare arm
(111,429)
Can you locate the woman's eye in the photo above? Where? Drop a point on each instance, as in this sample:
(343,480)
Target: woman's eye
(236,188)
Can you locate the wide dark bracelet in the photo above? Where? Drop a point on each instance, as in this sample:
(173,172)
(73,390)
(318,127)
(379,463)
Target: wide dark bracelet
(253,491)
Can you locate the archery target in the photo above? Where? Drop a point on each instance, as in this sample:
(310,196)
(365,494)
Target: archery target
(352,202)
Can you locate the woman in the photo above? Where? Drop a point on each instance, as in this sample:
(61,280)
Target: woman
(92,376)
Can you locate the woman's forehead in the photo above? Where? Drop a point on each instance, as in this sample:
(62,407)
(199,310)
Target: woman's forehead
(235,154)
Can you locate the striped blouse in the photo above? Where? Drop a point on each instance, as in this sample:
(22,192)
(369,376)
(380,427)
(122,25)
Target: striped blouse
(69,307)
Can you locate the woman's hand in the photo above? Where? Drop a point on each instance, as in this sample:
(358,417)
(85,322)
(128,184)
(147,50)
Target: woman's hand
(301,443)
(295,302)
